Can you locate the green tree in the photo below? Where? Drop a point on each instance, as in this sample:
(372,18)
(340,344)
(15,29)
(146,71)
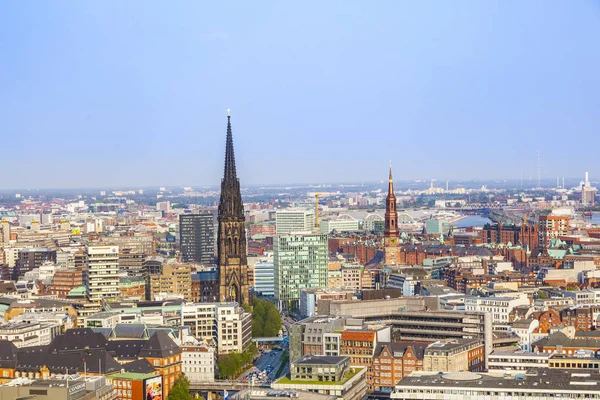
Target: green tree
(258,317)
(266,321)
(180,389)
(227,366)
(272,324)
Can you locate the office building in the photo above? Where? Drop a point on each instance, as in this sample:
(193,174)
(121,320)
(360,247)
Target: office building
(437,226)
(499,307)
(525,234)
(131,263)
(29,333)
(453,355)
(517,361)
(343,223)
(103,272)
(288,221)
(31,258)
(65,280)
(176,279)
(5,226)
(310,299)
(535,384)
(417,318)
(301,262)
(197,237)
(264,279)
(328,375)
(551,227)
(205,286)
(224,325)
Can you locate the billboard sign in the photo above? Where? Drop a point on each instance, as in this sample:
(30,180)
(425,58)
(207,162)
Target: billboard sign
(153,388)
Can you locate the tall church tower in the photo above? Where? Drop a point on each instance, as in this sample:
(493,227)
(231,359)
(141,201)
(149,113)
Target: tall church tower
(391,236)
(231,242)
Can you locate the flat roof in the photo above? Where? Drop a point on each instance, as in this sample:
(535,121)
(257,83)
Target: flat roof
(331,360)
(542,379)
(132,376)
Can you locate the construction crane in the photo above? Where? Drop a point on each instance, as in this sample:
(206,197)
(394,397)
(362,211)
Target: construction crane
(317,211)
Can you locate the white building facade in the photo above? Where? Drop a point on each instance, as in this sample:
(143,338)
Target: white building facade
(198,363)
(103,272)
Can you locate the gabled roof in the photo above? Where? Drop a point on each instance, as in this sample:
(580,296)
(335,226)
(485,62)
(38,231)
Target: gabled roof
(397,349)
(8,354)
(560,339)
(130,331)
(139,366)
(77,340)
(125,348)
(94,361)
(160,345)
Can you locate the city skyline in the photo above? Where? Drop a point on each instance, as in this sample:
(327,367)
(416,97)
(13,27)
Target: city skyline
(130,105)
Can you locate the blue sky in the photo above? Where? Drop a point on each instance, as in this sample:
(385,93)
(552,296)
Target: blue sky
(134,93)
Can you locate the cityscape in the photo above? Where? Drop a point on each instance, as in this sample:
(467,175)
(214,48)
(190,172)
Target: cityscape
(366,287)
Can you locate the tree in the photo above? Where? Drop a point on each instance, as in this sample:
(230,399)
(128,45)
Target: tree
(272,324)
(232,364)
(180,389)
(228,365)
(247,308)
(266,321)
(258,316)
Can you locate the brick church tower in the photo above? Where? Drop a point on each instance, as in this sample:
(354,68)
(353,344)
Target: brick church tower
(391,234)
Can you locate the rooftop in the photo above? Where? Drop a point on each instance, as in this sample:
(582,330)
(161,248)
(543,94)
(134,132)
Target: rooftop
(320,360)
(543,380)
(287,381)
(132,376)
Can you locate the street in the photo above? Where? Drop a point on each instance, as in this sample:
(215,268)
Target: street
(269,361)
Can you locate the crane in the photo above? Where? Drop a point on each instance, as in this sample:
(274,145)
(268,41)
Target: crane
(317,211)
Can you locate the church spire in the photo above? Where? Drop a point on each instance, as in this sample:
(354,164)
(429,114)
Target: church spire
(391,215)
(229,173)
(231,236)
(391,182)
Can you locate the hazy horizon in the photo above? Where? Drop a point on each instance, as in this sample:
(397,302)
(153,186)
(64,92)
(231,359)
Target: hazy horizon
(128,94)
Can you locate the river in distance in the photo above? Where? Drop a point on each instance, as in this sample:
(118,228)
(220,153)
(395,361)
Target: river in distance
(472,220)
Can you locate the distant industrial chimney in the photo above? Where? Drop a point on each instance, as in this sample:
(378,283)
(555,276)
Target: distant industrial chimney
(587,179)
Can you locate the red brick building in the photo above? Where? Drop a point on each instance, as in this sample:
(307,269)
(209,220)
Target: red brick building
(360,347)
(579,318)
(392,361)
(525,234)
(65,280)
